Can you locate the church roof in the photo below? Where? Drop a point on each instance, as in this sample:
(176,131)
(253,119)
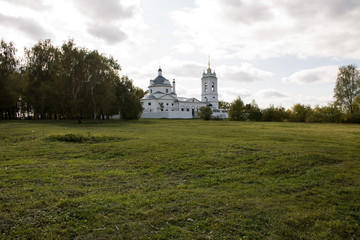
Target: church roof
(161,80)
(149,96)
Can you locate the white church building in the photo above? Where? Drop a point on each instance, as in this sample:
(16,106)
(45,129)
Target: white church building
(163,102)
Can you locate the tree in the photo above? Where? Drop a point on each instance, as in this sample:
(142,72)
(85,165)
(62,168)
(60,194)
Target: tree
(347,87)
(330,113)
(128,99)
(237,110)
(10,89)
(205,113)
(69,74)
(41,94)
(224,105)
(300,112)
(254,112)
(274,114)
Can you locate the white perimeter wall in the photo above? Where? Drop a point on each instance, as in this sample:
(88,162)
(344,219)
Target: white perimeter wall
(175,114)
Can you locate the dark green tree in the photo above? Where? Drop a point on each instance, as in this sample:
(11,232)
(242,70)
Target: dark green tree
(347,87)
(237,110)
(128,97)
(10,87)
(274,114)
(69,73)
(41,93)
(254,112)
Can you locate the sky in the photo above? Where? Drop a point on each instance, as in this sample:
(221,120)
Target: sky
(276,52)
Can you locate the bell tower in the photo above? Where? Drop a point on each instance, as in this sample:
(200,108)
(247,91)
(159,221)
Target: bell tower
(209,88)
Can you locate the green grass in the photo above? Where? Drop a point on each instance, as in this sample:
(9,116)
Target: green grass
(180,179)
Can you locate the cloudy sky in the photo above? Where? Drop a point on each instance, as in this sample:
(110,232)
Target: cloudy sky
(274,51)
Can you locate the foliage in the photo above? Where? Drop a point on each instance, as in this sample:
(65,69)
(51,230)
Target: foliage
(224,105)
(299,113)
(347,87)
(237,110)
(10,87)
(64,83)
(128,99)
(79,138)
(274,114)
(205,113)
(191,180)
(254,112)
(326,114)
(41,93)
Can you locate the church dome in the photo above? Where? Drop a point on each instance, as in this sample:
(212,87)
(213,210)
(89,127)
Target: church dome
(160,80)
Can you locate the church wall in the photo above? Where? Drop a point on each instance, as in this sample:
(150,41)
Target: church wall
(160,89)
(173,115)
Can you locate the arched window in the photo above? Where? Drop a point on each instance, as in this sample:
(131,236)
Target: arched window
(206,87)
(213,87)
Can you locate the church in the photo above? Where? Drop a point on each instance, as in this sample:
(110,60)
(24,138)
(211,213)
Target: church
(163,102)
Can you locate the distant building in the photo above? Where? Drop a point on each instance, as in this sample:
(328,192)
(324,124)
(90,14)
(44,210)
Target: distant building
(163,102)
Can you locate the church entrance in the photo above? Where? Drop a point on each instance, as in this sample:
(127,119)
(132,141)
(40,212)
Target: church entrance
(193,112)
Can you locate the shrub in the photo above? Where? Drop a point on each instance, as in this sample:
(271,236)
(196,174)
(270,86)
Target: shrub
(78,138)
(272,114)
(237,110)
(205,113)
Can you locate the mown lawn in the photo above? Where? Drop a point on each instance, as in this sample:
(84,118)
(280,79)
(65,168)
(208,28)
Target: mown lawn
(179,179)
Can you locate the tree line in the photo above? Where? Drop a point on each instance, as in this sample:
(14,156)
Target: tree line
(345,108)
(66,82)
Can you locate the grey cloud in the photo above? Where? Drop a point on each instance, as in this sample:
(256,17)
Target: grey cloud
(187,70)
(328,8)
(245,73)
(35,5)
(111,35)
(240,11)
(28,26)
(240,77)
(271,93)
(104,10)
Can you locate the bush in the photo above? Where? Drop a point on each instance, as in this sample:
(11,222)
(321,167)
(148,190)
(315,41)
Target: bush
(299,113)
(205,113)
(254,112)
(324,114)
(78,138)
(272,114)
(237,110)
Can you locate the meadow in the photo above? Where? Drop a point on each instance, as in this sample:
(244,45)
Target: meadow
(179,179)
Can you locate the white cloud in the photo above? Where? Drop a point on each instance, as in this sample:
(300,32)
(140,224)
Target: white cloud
(248,30)
(230,94)
(243,73)
(184,48)
(271,94)
(267,97)
(314,75)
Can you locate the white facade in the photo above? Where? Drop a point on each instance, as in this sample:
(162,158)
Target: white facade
(163,102)
(209,88)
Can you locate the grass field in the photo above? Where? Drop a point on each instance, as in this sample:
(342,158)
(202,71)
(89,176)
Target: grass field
(180,179)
